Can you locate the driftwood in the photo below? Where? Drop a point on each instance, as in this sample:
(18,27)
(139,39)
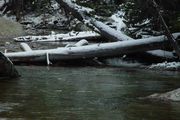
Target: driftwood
(90,51)
(103,29)
(71,36)
(7,69)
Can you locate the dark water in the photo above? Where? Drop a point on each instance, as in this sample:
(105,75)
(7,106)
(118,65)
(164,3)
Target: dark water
(87,93)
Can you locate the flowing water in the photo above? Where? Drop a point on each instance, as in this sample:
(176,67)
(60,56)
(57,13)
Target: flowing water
(87,93)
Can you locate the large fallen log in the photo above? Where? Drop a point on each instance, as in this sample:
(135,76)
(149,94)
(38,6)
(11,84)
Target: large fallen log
(7,69)
(104,30)
(82,14)
(91,51)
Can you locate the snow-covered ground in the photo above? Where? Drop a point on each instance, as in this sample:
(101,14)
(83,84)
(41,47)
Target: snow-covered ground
(166,66)
(33,22)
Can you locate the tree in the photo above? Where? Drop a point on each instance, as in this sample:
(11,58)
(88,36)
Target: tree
(139,11)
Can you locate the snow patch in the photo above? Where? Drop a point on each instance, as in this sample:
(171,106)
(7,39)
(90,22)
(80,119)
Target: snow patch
(118,20)
(166,66)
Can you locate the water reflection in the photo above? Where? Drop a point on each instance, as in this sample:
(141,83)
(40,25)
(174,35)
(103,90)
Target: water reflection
(87,93)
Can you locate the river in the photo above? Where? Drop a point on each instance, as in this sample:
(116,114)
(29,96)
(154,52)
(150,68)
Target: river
(87,93)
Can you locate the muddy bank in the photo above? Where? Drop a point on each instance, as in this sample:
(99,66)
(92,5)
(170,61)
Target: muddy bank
(10,29)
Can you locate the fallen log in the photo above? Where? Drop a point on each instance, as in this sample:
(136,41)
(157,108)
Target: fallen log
(25,47)
(7,69)
(91,51)
(103,29)
(82,14)
(71,36)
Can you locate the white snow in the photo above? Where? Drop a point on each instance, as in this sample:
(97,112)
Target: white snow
(166,66)
(79,8)
(58,37)
(118,20)
(47,18)
(118,35)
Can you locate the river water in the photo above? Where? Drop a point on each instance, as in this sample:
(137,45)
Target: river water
(87,93)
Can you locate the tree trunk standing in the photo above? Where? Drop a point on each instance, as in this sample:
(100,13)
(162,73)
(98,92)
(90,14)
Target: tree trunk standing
(18,9)
(167,31)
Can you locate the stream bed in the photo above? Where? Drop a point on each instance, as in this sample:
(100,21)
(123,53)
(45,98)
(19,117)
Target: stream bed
(87,93)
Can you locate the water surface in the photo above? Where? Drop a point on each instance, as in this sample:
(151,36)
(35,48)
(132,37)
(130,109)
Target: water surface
(87,93)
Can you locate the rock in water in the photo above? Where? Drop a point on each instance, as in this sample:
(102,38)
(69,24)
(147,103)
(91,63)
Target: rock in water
(7,69)
(10,29)
(168,96)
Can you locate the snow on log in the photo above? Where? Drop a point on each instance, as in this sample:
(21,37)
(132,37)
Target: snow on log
(83,16)
(91,51)
(104,29)
(71,36)
(78,11)
(109,32)
(25,47)
(81,43)
(162,54)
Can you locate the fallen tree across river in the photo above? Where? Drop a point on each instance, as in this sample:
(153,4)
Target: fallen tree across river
(90,51)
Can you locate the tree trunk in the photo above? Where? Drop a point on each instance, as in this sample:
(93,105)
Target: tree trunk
(91,51)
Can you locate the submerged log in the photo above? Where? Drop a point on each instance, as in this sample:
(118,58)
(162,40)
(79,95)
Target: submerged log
(7,69)
(91,51)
